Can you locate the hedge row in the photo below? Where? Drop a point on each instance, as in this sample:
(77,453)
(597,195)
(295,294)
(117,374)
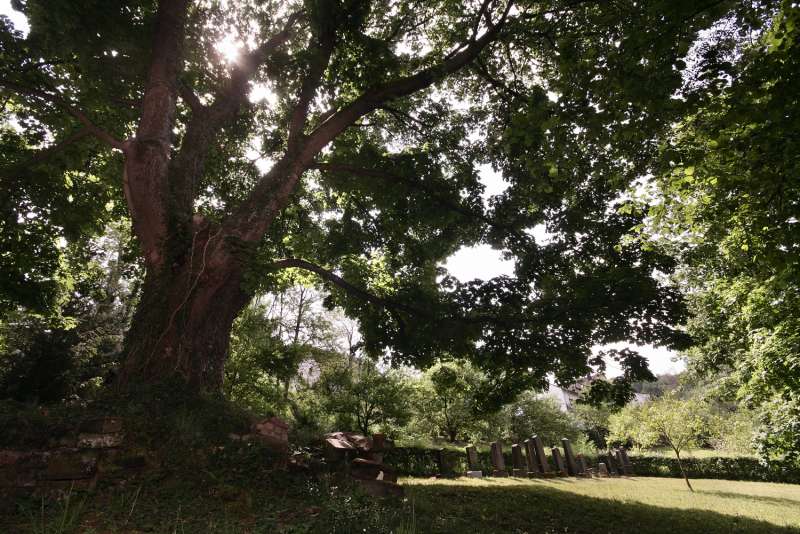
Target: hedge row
(741,468)
(419,462)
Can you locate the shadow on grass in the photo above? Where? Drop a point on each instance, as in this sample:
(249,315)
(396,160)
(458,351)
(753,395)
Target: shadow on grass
(449,508)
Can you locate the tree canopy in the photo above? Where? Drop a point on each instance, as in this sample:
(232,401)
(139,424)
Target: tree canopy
(344,138)
(729,190)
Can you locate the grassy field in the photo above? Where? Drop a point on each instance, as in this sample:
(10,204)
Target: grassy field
(286,503)
(631,505)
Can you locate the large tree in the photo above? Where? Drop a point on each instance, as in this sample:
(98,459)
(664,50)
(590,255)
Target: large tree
(344,138)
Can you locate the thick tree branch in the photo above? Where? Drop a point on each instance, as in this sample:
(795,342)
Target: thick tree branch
(62,104)
(398,88)
(208,121)
(337,280)
(253,217)
(148,157)
(311,82)
(49,151)
(188,95)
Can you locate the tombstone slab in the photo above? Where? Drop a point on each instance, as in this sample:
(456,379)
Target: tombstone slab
(612,465)
(541,459)
(472,459)
(620,463)
(602,470)
(518,460)
(569,456)
(530,458)
(561,467)
(498,462)
(627,466)
(474,474)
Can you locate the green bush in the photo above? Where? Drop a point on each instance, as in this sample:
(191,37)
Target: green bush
(419,462)
(738,468)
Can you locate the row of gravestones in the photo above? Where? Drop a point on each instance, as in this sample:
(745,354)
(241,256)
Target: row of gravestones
(529,460)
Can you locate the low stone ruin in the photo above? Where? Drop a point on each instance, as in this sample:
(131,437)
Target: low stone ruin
(78,459)
(361,459)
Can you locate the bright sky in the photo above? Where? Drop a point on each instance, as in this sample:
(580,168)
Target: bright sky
(468,263)
(19,20)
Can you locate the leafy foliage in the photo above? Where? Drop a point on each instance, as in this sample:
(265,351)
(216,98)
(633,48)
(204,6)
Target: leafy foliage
(364,398)
(729,183)
(446,402)
(568,117)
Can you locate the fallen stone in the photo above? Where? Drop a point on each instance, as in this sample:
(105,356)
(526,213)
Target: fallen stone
(100,441)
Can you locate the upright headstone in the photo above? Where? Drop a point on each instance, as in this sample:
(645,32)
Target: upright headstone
(613,470)
(498,462)
(572,467)
(444,464)
(602,470)
(561,468)
(530,456)
(473,468)
(518,460)
(627,466)
(543,466)
(583,466)
(620,462)
(580,463)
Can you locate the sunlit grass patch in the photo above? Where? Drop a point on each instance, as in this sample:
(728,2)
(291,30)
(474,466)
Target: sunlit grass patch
(603,505)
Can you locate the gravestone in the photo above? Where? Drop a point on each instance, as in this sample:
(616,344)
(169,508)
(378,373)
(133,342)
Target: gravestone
(530,456)
(473,468)
(580,464)
(602,470)
(620,462)
(498,462)
(612,465)
(518,460)
(541,459)
(444,464)
(572,467)
(561,468)
(627,467)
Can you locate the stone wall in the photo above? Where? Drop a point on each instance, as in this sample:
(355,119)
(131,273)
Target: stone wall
(77,460)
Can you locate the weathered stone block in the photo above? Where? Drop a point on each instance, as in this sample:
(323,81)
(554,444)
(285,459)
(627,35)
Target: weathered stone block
(100,441)
(472,458)
(69,465)
(101,425)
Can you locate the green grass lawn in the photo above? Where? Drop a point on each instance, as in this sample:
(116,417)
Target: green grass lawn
(293,503)
(637,505)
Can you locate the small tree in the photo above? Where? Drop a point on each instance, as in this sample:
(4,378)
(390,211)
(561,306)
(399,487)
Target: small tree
(362,396)
(530,415)
(446,399)
(673,422)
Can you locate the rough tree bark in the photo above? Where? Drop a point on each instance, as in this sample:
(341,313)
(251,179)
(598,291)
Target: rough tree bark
(194,269)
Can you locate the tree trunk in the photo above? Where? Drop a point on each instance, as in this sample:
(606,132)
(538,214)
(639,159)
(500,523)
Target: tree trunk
(181,329)
(683,471)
